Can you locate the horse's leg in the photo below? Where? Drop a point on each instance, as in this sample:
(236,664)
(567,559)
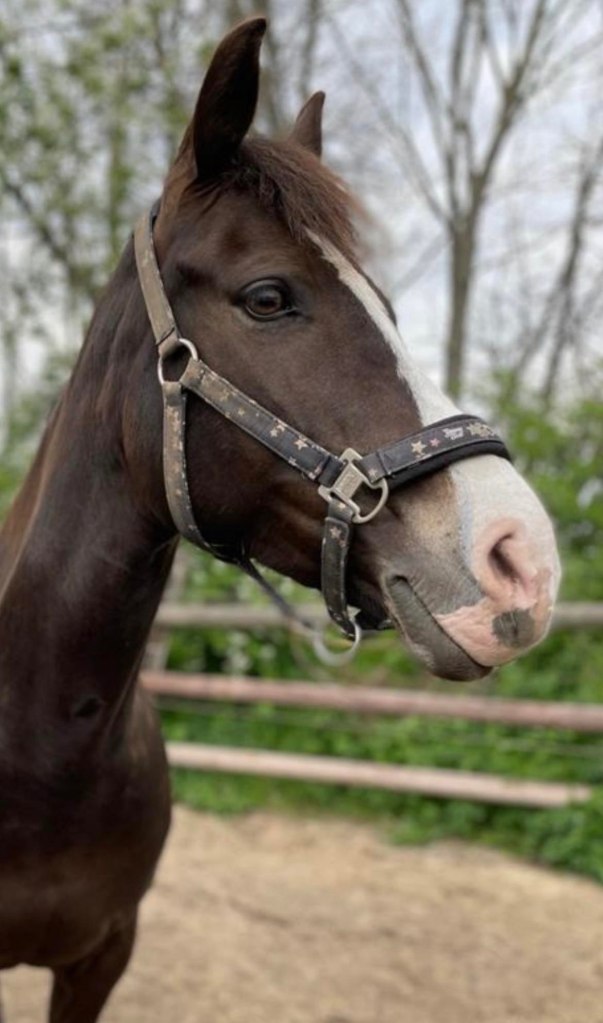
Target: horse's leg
(2,1016)
(81,989)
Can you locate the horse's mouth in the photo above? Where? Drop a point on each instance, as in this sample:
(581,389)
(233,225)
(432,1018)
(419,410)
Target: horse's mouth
(425,636)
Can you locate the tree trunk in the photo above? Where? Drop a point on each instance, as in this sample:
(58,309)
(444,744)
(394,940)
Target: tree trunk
(460,276)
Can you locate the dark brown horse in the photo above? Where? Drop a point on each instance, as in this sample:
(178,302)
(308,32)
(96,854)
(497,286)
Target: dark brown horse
(256,251)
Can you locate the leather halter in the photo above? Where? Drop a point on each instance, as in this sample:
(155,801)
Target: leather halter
(340,478)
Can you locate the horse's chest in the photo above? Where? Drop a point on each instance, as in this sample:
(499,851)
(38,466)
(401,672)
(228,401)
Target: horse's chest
(72,871)
(52,912)
(58,909)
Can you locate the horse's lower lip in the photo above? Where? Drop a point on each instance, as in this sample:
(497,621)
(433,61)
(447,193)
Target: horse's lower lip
(427,639)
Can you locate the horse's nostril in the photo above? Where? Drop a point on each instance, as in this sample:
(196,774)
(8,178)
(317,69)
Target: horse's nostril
(501,559)
(506,566)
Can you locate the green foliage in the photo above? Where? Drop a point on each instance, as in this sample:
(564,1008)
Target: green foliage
(25,424)
(562,455)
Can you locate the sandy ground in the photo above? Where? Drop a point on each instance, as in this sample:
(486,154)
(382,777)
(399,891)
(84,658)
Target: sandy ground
(265,919)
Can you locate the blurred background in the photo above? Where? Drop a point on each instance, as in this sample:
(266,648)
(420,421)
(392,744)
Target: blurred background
(471,130)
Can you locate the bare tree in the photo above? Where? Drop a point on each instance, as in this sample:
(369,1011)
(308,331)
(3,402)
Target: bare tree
(567,304)
(497,61)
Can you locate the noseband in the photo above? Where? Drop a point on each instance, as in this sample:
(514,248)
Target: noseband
(341,479)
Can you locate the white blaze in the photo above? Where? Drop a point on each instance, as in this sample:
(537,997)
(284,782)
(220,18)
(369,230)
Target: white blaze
(431,404)
(487,488)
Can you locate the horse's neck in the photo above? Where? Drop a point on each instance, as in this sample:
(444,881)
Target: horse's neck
(82,565)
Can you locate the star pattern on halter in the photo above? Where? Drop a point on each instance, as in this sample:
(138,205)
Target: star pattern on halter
(418,447)
(337,534)
(480,430)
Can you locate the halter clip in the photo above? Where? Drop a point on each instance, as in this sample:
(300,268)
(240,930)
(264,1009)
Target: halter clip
(350,479)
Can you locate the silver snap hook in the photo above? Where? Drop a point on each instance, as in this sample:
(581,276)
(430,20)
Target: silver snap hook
(351,479)
(335,658)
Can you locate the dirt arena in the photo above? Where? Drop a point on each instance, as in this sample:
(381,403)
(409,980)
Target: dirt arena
(267,919)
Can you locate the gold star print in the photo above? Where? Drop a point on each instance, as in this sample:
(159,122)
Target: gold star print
(418,447)
(300,443)
(335,532)
(479,430)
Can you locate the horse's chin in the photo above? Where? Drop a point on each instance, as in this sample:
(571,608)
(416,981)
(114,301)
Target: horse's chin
(425,637)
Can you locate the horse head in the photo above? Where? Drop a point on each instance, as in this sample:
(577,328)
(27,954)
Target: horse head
(257,253)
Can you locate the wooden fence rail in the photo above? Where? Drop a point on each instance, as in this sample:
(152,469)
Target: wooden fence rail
(578,615)
(578,717)
(426,781)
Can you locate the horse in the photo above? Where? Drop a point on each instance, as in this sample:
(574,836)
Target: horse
(295,357)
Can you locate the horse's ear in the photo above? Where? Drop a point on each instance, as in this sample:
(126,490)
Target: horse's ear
(307,130)
(227,99)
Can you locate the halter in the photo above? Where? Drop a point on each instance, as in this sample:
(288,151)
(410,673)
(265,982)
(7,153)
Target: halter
(341,479)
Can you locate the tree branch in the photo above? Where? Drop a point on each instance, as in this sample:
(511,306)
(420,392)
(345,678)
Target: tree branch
(80,277)
(410,155)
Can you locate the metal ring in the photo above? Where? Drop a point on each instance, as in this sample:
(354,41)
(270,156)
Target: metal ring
(185,344)
(331,657)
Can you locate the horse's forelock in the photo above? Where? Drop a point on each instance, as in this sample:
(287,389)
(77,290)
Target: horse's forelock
(304,193)
(288,182)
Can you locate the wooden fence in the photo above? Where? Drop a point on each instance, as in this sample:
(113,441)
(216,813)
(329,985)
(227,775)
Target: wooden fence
(435,782)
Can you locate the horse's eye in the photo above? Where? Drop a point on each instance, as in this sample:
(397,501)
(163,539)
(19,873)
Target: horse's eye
(267,300)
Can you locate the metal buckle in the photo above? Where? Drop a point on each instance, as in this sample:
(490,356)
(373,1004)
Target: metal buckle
(350,479)
(185,344)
